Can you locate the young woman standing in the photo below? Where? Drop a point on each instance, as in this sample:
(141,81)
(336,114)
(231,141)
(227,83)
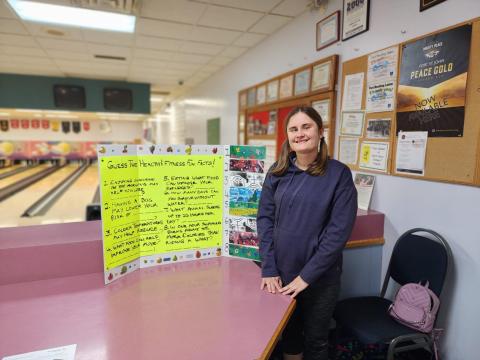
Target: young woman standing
(306,214)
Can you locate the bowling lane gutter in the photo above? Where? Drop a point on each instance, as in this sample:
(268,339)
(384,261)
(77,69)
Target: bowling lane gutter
(12,189)
(16,171)
(42,205)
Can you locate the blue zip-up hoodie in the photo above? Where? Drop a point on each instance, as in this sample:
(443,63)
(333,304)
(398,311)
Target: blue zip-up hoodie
(304,221)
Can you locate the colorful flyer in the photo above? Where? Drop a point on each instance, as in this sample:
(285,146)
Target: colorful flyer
(374,156)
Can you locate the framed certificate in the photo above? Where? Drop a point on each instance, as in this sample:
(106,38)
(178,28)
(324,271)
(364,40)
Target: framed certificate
(426,4)
(328,30)
(302,82)
(261,94)
(355,18)
(286,86)
(321,76)
(272,91)
(352,123)
(251,97)
(243,100)
(323,109)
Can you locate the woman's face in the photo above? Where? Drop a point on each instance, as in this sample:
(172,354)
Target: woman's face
(303,134)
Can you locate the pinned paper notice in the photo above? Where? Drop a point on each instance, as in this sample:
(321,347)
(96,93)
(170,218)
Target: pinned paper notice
(60,353)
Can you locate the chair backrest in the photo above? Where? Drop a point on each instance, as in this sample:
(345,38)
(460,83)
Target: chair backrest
(418,258)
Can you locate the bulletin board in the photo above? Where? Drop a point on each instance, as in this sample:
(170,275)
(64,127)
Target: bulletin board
(447,159)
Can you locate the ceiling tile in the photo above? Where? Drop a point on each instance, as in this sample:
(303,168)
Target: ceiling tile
(249,39)
(153,54)
(64,45)
(163,29)
(262,6)
(149,63)
(96,49)
(228,18)
(18,59)
(184,66)
(59,54)
(12,26)
(108,37)
(151,42)
(211,68)
(69,64)
(201,48)
(291,7)
(269,24)
(233,51)
(5,11)
(17,40)
(54,31)
(30,70)
(192,58)
(174,10)
(15,50)
(221,60)
(214,36)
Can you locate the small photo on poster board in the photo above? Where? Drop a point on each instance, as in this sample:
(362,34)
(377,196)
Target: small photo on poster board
(328,30)
(378,128)
(286,86)
(261,94)
(374,155)
(302,82)
(348,150)
(321,76)
(272,90)
(355,18)
(352,123)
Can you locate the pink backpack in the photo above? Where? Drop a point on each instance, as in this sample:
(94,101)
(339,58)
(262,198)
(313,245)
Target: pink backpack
(415,306)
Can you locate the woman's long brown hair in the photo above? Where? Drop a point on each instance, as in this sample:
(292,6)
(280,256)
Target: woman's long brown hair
(316,168)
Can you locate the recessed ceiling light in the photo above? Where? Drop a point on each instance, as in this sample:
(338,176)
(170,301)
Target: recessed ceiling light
(73,16)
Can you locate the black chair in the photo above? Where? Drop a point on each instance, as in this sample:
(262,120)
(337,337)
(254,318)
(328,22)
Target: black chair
(415,258)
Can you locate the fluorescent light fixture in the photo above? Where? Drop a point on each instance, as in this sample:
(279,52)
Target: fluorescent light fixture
(72,16)
(4,114)
(157,99)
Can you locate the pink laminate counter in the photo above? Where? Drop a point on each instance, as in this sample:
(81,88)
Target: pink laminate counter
(207,309)
(48,251)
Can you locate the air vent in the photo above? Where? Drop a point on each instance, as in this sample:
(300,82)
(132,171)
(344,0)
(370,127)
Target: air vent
(54,32)
(109,57)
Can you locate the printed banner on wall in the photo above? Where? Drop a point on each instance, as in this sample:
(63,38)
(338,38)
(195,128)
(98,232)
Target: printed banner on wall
(433,80)
(163,204)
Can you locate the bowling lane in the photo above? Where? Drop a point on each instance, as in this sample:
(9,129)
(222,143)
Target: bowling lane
(10,168)
(24,174)
(15,206)
(72,204)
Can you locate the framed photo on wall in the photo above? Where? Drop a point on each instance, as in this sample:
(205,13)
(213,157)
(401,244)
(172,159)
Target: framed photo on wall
(272,90)
(302,82)
(356,15)
(286,86)
(261,93)
(426,4)
(251,97)
(321,75)
(328,30)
